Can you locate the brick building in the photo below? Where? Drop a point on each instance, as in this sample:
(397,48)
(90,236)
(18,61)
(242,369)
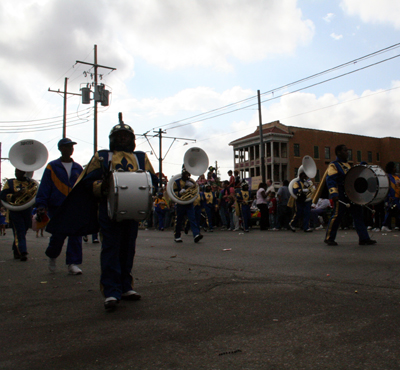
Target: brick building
(285,147)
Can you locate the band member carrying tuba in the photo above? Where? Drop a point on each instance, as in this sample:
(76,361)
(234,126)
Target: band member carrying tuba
(185,188)
(17,191)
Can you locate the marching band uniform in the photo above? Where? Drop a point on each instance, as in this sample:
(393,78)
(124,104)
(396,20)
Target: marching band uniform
(243,197)
(209,200)
(57,182)
(118,238)
(159,206)
(393,197)
(184,209)
(19,220)
(335,176)
(302,207)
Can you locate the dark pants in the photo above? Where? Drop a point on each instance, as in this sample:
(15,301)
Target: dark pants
(264,220)
(117,254)
(20,222)
(181,211)
(303,210)
(339,210)
(74,246)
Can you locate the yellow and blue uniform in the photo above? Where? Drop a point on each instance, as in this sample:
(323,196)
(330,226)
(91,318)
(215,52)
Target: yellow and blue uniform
(182,210)
(53,190)
(118,238)
(393,200)
(209,200)
(160,205)
(302,207)
(335,176)
(20,221)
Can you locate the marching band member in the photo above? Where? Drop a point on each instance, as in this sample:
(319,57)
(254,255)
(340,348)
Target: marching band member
(118,238)
(20,221)
(302,206)
(180,187)
(88,201)
(57,182)
(393,197)
(335,176)
(243,197)
(210,201)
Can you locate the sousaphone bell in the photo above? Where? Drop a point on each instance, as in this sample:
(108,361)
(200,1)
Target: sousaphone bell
(195,161)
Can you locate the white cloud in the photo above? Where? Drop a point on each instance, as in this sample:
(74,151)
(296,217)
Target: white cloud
(371,11)
(348,112)
(336,37)
(328,18)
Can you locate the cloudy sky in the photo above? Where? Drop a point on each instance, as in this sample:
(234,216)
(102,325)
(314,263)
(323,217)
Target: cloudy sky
(193,68)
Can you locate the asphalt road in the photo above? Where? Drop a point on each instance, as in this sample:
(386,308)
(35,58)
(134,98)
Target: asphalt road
(275,300)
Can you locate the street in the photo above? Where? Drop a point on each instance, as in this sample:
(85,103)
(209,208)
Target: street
(258,300)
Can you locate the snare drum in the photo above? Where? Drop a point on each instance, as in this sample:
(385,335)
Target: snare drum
(366,185)
(130,196)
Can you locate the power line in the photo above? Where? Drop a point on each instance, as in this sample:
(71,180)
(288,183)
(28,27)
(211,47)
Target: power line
(352,62)
(292,92)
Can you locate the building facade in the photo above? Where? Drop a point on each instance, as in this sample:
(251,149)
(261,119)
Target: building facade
(285,147)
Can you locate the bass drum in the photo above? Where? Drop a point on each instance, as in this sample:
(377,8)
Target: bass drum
(130,196)
(366,185)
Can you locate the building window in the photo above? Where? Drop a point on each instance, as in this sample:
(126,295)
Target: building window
(327,152)
(317,179)
(378,157)
(358,155)
(296,169)
(316,152)
(369,157)
(257,153)
(284,150)
(350,155)
(296,150)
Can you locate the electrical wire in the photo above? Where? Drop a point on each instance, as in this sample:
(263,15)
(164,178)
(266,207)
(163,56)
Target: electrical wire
(352,62)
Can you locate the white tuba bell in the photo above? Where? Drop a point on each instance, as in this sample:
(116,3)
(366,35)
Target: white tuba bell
(196,162)
(27,155)
(310,169)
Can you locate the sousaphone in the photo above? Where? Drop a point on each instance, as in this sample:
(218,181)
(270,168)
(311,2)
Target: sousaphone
(310,169)
(27,155)
(196,162)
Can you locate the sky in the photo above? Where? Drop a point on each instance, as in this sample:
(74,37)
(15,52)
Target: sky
(193,68)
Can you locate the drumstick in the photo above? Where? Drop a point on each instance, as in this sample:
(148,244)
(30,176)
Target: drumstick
(346,204)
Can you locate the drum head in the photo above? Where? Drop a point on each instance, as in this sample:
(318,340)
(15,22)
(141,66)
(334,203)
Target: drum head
(366,185)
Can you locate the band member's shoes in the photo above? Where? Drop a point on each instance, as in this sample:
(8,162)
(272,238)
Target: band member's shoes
(197,238)
(95,241)
(23,256)
(386,229)
(110,304)
(178,240)
(74,270)
(131,295)
(292,228)
(308,231)
(330,242)
(85,239)
(52,265)
(320,227)
(367,242)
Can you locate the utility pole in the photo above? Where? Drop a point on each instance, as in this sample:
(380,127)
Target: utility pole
(160,158)
(96,92)
(64,135)
(262,149)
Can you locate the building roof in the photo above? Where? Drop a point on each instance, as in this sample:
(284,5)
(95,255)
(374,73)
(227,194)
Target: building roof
(268,128)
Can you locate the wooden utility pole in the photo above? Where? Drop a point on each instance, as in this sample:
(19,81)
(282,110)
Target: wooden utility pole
(95,66)
(64,135)
(262,149)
